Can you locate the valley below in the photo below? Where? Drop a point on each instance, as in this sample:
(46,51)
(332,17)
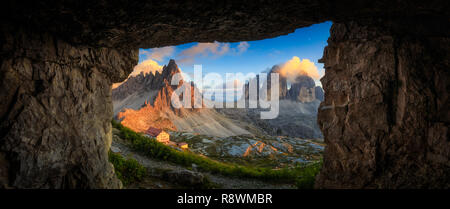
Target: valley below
(164,174)
(263,151)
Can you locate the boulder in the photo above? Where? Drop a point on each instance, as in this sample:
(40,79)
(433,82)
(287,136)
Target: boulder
(185,177)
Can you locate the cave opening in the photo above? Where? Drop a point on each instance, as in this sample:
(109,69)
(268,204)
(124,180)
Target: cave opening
(363,111)
(290,138)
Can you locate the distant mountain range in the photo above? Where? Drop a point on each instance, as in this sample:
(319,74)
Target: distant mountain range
(303,90)
(143,101)
(297,111)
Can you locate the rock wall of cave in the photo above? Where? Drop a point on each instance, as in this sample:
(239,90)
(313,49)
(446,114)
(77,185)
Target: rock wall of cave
(385,117)
(55,112)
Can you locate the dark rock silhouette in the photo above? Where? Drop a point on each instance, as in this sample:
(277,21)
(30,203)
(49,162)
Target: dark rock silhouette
(282,81)
(146,82)
(302,90)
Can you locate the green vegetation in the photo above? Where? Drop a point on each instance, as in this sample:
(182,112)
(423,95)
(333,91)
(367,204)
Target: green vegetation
(303,175)
(308,175)
(127,170)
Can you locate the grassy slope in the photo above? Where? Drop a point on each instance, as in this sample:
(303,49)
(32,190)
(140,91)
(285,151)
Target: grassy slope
(127,170)
(303,176)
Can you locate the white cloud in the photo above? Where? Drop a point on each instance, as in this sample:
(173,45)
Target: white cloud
(242,47)
(296,67)
(203,49)
(158,54)
(215,49)
(145,67)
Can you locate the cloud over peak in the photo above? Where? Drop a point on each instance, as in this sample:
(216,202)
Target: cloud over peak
(145,67)
(296,67)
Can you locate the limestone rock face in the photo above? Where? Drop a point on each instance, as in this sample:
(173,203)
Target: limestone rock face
(385,116)
(55,112)
(283,91)
(147,82)
(154,110)
(319,94)
(303,90)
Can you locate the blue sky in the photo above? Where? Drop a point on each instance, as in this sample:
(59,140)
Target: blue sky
(251,56)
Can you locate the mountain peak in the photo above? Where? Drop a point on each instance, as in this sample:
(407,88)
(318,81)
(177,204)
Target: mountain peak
(275,69)
(172,62)
(145,82)
(170,69)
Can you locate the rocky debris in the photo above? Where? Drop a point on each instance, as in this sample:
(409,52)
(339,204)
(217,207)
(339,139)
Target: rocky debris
(147,116)
(115,149)
(157,170)
(385,114)
(262,150)
(185,177)
(295,119)
(194,167)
